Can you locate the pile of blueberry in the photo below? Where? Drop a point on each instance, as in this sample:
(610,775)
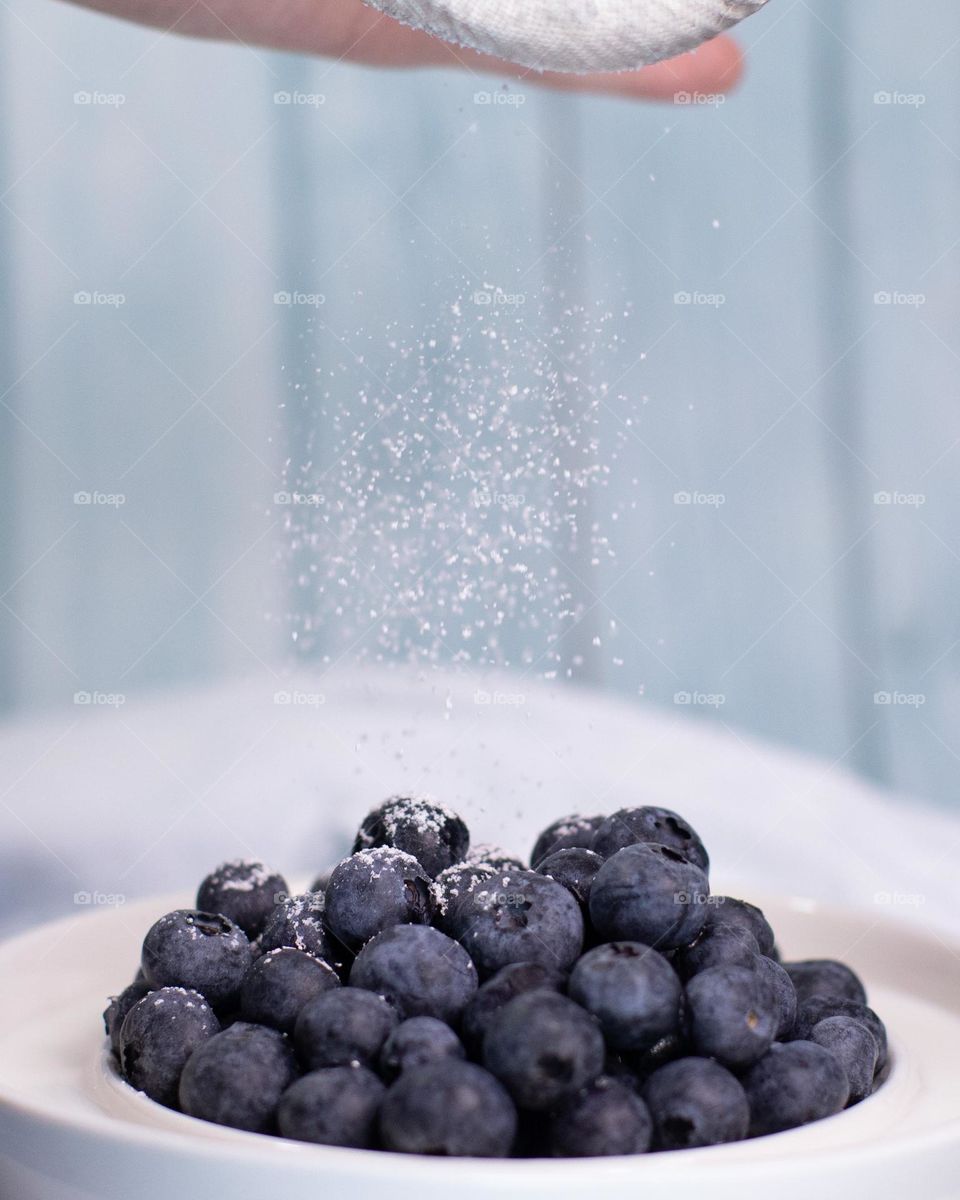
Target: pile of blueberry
(432,999)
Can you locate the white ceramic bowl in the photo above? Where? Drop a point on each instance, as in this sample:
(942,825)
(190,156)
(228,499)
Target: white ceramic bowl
(71,1130)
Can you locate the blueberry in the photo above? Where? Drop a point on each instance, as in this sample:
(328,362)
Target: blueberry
(244,891)
(717,946)
(448,1108)
(199,950)
(724,910)
(238,1077)
(297,921)
(518,916)
(158,1035)
(630,826)
(416,1042)
(794,1083)
(696,1102)
(784,992)
(343,1026)
(732,1014)
(633,992)
(651,894)
(280,983)
(666,1050)
(543,1048)
(118,1008)
(568,832)
(499,989)
(436,837)
(855,1048)
(811,1012)
(421,971)
(493,856)
(606,1118)
(375,889)
(453,884)
(575,868)
(335,1106)
(825,977)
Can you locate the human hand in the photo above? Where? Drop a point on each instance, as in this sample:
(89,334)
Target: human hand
(348,30)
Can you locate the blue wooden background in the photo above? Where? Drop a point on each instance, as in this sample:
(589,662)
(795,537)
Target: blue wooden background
(819,205)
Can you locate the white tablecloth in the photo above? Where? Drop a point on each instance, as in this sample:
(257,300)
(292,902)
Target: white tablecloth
(102,803)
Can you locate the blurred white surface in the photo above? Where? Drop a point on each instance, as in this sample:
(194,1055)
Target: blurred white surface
(146,798)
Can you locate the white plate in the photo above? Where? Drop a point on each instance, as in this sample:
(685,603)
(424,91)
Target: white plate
(69,1130)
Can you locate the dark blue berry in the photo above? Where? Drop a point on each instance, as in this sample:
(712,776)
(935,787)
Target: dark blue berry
(651,894)
(696,1102)
(297,921)
(825,977)
(499,989)
(855,1048)
(280,983)
(785,995)
(518,916)
(244,891)
(666,1050)
(335,1106)
(342,1027)
(575,868)
(158,1036)
(421,971)
(732,1014)
(633,992)
(543,1048)
(435,836)
(238,1077)
(203,951)
(564,834)
(794,1083)
(449,1108)
(118,1008)
(630,826)
(724,910)
(717,946)
(416,1042)
(608,1117)
(811,1012)
(452,885)
(373,890)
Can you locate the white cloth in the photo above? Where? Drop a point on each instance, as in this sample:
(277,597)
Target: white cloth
(573,35)
(148,797)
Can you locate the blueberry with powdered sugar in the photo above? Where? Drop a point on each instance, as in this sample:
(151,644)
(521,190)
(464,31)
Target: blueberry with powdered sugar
(573,832)
(374,889)
(158,1036)
(244,891)
(199,950)
(435,836)
(454,883)
(493,856)
(297,921)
